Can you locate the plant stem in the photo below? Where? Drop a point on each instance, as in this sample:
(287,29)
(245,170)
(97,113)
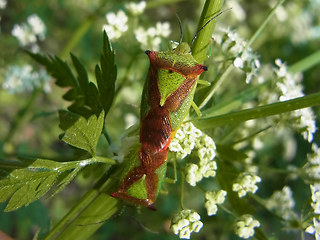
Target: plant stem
(305,63)
(88,215)
(259,112)
(262,26)
(216,85)
(200,45)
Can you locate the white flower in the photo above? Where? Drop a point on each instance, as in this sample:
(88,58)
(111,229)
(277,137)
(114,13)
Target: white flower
(24,34)
(232,45)
(206,154)
(136,8)
(18,79)
(315,228)
(3,4)
(312,167)
(184,140)
(208,169)
(186,222)
(238,62)
(212,199)
(282,203)
(175,146)
(187,138)
(315,197)
(193,174)
(151,38)
(244,227)
(117,24)
(246,182)
(290,87)
(163,29)
(28,33)
(37,25)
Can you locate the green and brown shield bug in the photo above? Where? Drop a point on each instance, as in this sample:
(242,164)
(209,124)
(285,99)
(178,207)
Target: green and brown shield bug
(166,99)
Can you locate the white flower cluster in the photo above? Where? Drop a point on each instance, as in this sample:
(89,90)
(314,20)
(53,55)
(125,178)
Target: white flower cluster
(315,204)
(136,8)
(212,199)
(282,203)
(187,138)
(186,222)
(18,79)
(232,44)
(117,24)
(312,167)
(302,27)
(184,141)
(244,226)
(246,182)
(290,87)
(29,33)
(151,38)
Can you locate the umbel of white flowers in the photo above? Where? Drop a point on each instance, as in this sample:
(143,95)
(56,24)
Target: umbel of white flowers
(188,138)
(185,222)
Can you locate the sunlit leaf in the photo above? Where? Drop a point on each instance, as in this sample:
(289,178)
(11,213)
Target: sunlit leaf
(25,185)
(80,132)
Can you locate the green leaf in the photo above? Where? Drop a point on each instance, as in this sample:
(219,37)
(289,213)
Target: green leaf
(27,184)
(87,99)
(306,63)
(80,132)
(82,93)
(65,179)
(31,186)
(106,74)
(259,112)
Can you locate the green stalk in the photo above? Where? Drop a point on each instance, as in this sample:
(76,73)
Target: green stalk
(305,63)
(263,25)
(84,219)
(201,43)
(259,112)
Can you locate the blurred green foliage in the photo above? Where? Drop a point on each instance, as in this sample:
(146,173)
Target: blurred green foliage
(38,133)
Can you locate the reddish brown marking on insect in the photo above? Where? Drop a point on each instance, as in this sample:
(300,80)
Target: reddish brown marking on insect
(156,131)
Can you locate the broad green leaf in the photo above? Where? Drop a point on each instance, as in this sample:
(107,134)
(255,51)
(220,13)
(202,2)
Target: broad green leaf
(27,184)
(80,132)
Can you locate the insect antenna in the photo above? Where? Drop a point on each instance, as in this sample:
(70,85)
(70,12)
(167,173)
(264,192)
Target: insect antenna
(214,17)
(180,25)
